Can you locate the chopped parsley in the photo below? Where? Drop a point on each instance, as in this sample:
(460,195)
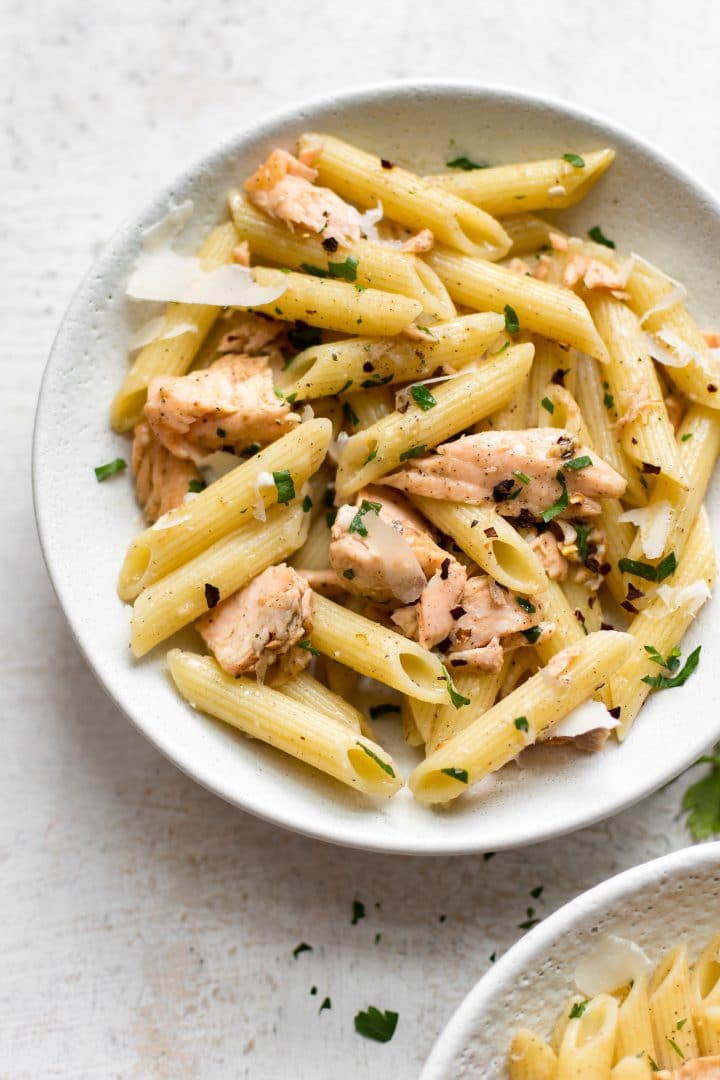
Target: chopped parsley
(488,855)
(532,634)
(371,456)
(664,568)
(252,449)
(413,452)
(378,761)
(562,503)
(327,1004)
(196,486)
(350,415)
(376,380)
(466,164)
(422,397)
(548,405)
(307,504)
(303,336)
(212,595)
(686,436)
(378,938)
(347,270)
(456,774)
(675,1047)
(512,323)
(608,399)
(583,531)
(672,663)
(349,573)
(530,921)
(345,386)
(537,892)
(521,723)
(681,1024)
(701,801)
(285,486)
(578,1009)
(575,160)
(579,463)
(521,476)
(357,525)
(526,605)
(308,647)
(358,912)
(669,682)
(599,237)
(383,710)
(221,433)
(376,1025)
(302,947)
(456,698)
(330,517)
(103,472)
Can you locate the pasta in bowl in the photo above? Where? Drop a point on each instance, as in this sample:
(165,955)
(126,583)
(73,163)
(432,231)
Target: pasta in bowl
(407,457)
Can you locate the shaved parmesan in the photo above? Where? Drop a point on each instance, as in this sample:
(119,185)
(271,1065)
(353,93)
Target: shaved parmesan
(218,464)
(557,190)
(654,523)
(401,568)
(676,295)
(664,355)
(262,480)
(684,352)
(307,413)
(335,448)
(157,329)
(590,716)
(369,221)
(640,261)
(690,598)
(613,963)
(161,274)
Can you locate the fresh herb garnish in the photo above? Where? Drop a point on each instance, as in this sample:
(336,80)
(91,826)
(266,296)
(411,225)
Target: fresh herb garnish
(350,415)
(383,710)
(378,938)
(212,595)
(102,472)
(574,159)
(422,397)
(303,336)
(330,517)
(347,270)
(669,682)
(252,449)
(376,1025)
(686,436)
(457,698)
(608,399)
(196,486)
(526,605)
(378,761)
(357,525)
(358,912)
(562,503)
(681,1024)
(456,774)
(308,647)
(376,380)
(302,947)
(521,476)
(512,323)
(345,386)
(521,723)
(285,486)
(466,164)
(702,800)
(349,573)
(537,892)
(532,634)
(579,463)
(675,1047)
(413,452)
(578,1009)
(307,504)
(530,921)
(583,531)
(548,405)
(599,237)
(327,1004)
(672,663)
(664,569)
(371,456)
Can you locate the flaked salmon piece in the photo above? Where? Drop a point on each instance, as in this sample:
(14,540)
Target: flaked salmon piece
(254,335)
(420,242)
(513,471)
(547,548)
(486,658)
(231,403)
(558,242)
(406,619)
(372,556)
(519,266)
(325,582)
(255,626)
(161,480)
(241,253)
(705,1068)
(595,274)
(542,267)
(712,339)
(284,188)
(489,611)
(439,603)
(635,404)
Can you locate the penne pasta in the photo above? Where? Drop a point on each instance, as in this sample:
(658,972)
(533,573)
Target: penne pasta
(671,1010)
(527,233)
(482,688)
(586,1050)
(634,1031)
(706,997)
(312,693)
(531,1058)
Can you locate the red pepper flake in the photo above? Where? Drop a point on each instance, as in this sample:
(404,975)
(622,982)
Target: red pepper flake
(386,164)
(491,532)
(457,663)
(457,612)
(558,377)
(368,366)
(579,616)
(444,569)
(330,243)
(653,470)
(629,607)
(606,626)
(615,713)
(212,595)
(712,388)
(633,593)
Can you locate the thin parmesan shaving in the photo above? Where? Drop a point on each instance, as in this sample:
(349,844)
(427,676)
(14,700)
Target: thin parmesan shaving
(402,570)
(614,962)
(654,523)
(690,598)
(157,329)
(263,480)
(676,295)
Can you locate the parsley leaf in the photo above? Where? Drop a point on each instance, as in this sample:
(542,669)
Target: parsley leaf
(196,486)
(521,476)
(376,1025)
(583,531)
(102,472)
(526,605)
(307,504)
(308,647)
(456,774)
(669,682)
(532,634)
(562,503)
(422,397)
(378,761)
(413,452)
(376,380)
(327,1004)
(578,463)
(457,698)
(302,947)
(285,486)
(521,723)
(303,336)
(578,1009)
(512,323)
(608,399)
(574,159)
(356,525)
(347,270)
(466,164)
(350,415)
(664,569)
(702,801)
(675,1047)
(548,405)
(599,237)
(358,912)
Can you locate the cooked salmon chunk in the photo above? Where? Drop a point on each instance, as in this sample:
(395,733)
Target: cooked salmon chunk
(161,480)
(705,1068)
(514,471)
(284,188)
(253,335)
(488,612)
(232,403)
(439,603)
(259,625)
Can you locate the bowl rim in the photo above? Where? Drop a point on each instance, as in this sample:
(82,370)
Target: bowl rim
(594,902)
(324,828)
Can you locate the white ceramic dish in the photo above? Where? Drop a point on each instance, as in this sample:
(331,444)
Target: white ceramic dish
(676,897)
(646,203)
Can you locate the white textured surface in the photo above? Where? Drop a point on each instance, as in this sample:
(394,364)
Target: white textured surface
(146,928)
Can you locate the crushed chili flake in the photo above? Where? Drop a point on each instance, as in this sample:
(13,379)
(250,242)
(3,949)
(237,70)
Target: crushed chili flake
(212,595)
(444,569)
(386,164)
(457,612)
(330,243)
(491,532)
(653,470)
(615,713)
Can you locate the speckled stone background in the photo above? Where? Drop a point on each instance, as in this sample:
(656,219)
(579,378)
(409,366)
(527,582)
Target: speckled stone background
(146,928)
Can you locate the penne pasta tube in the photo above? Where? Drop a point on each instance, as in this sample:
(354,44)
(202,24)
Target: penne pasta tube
(312,693)
(407,198)
(359,364)
(697,371)
(410,730)
(634,1031)
(553,369)
(663,626)
(706,996)
(423,714)
(566,627)
(527,233)
(509,726)
(336,305)
(619,537)
(531,1058)
(550,310)
(313,555)
(586,1050)
(369,406)
(531,185)
(584,605)
(222,507)
(262,713)
(647,435)
(182,596)
(489,540)
(172,355)
(374,264)
(632,1068)
(372,650)
(460,402)
(482,687)
(671,1004)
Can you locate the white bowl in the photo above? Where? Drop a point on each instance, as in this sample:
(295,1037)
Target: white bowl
(646,203)
(656,905)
